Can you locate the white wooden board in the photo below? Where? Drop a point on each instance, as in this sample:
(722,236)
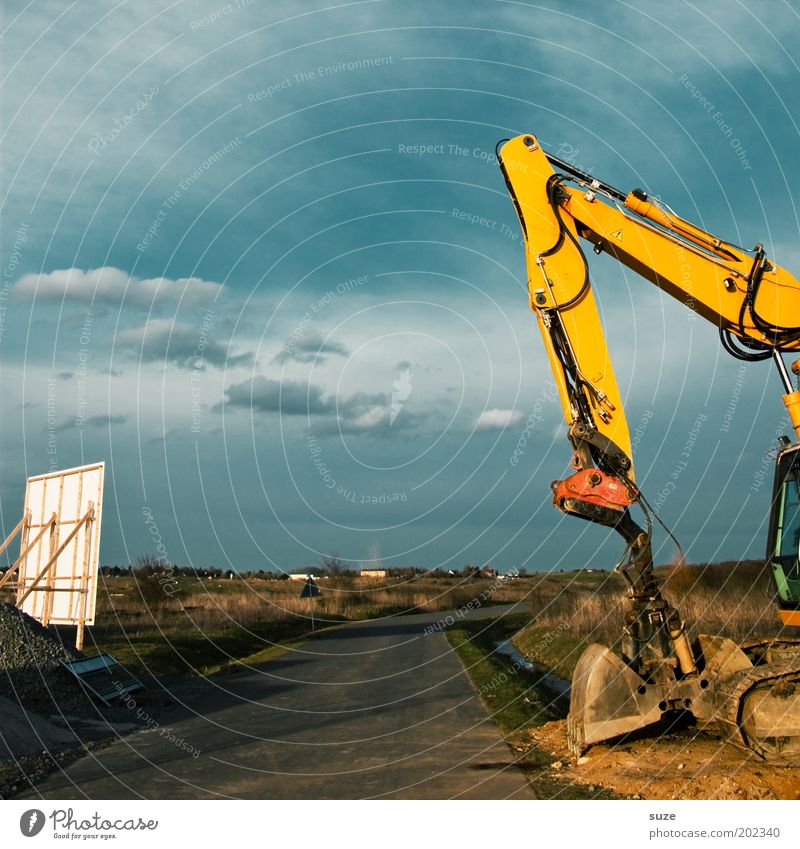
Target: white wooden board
(68,494)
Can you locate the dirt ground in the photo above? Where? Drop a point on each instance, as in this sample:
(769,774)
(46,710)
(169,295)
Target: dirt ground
(687,764)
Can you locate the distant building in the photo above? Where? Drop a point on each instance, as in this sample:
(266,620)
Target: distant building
(302,576)
(372,573)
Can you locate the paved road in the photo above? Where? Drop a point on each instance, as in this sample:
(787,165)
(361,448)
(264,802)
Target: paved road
(372,710)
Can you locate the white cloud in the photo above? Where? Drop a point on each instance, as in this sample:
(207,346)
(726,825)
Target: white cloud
(372,418)
(497,419)
(163,340)
(112,285)
(309,347)
(360,413)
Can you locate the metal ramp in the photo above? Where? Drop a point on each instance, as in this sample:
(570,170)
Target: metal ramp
(103,677)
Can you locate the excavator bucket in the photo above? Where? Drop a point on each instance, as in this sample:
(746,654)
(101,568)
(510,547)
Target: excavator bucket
(608,699)
(751,694)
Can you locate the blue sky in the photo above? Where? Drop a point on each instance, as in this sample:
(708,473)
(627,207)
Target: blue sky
(243,264)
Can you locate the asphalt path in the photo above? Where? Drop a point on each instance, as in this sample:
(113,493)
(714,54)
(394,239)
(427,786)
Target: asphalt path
(380,709)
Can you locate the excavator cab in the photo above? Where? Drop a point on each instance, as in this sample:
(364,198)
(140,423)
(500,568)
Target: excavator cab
(783,546)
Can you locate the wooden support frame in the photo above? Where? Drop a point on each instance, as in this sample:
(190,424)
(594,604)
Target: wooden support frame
(24,525)
(27,589)
(10,537)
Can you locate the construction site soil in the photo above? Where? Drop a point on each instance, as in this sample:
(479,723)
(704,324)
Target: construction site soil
(683,764)
(46,719)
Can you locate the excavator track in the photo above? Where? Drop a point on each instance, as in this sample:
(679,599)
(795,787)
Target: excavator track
(759,708)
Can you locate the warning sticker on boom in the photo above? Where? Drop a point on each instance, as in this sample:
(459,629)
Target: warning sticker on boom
(617,234)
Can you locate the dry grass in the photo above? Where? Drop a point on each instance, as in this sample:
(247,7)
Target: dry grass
(211,604)
(198,624)
(736,600)
(733,599)
(586,606)
(195,625)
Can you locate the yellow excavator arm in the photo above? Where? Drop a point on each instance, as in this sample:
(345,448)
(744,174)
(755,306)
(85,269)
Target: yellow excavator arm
(755,304)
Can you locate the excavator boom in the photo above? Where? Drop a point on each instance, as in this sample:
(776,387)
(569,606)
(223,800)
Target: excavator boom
(755,304)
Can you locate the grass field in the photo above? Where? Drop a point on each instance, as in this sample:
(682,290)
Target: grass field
(198,626)
(194,625)
(516,699)
(732,599)
(512,699)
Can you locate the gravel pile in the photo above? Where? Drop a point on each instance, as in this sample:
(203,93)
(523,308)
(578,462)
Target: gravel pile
(46,720)
(30,672)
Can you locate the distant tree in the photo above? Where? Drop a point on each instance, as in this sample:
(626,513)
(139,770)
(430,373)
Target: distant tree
(155,579)
(333,565)
(149,564)
(151,577)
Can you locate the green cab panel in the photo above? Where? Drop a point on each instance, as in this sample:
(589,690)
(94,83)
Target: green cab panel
(783,551)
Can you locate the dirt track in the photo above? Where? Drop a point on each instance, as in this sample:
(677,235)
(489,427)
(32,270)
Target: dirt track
(688,764)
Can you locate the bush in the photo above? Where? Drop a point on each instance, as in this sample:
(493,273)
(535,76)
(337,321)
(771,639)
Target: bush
(155,580)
